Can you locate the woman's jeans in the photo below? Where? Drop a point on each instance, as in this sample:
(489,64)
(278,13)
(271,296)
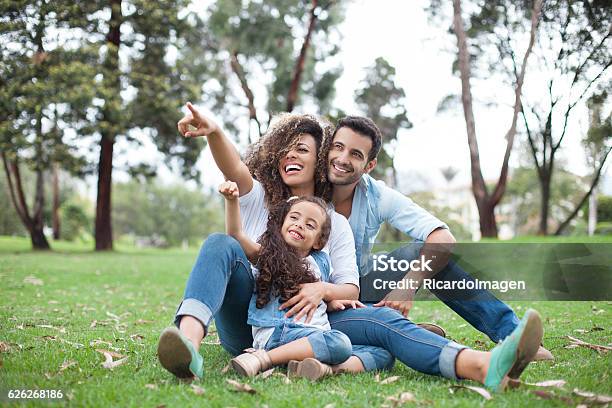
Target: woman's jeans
(221,284)
(328,346)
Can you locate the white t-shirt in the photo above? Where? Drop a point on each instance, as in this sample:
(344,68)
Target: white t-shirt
(340,246)
(261,335)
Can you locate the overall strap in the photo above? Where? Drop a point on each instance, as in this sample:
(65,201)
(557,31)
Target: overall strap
(322,261)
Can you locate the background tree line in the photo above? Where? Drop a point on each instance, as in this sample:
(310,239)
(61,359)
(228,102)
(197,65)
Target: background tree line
(78,79)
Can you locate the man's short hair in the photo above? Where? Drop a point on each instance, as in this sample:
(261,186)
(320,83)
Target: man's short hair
(366,127)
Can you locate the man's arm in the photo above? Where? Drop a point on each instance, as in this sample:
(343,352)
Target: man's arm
(223,151)
(403,214)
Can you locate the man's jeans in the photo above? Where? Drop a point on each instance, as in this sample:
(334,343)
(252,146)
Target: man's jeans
(221,284)
(328,346)
(478,307)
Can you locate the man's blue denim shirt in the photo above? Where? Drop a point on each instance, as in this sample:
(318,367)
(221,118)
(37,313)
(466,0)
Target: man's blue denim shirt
(373,204)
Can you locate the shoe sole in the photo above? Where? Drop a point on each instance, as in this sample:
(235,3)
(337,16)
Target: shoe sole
(310,368)
(292,368)
(173,355)
(242,371)
(434,328)
(527,348)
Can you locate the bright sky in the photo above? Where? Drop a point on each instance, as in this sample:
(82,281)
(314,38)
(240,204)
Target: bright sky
(422,54)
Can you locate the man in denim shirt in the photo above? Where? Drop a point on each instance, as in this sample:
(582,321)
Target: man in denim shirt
(368,203)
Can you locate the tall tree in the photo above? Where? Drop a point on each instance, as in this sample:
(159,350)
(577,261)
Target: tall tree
(159,41)
(383,101)
(486,201)
(573,52)
(272,56)
(35,64)
(598,144)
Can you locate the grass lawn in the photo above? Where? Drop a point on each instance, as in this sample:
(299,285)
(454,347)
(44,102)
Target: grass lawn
(57,308)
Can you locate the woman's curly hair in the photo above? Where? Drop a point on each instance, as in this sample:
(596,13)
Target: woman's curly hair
(263,157)
(281,269)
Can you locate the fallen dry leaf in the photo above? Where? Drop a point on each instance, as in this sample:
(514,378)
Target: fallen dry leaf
(110,364)
(266,374)
(197,390)
(4,348)
(592,397)
(377,378)
(151,386)
(67,364)
(93,324)
(545,384)
(226,369)
(94,343)
(33,280)
(390,380)
(402,399)
(113,354)
(137,337)
(240,387)
(481,391)
(580,343)
(142,321)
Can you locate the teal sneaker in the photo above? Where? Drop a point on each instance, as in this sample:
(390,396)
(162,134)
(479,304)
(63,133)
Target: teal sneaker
(177,354)
(511,356)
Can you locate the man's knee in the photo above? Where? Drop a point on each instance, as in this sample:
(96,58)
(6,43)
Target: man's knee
(218,240)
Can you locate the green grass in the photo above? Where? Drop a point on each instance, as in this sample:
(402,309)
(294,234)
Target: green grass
(132,294)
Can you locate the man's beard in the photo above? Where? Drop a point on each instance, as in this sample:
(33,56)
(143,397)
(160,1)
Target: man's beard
(338,181)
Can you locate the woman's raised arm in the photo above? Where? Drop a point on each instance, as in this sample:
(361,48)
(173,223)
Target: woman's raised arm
(223,151)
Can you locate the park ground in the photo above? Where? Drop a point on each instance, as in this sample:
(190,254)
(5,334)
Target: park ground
(61,310)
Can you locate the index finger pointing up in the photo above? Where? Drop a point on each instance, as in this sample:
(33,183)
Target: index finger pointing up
(193,110)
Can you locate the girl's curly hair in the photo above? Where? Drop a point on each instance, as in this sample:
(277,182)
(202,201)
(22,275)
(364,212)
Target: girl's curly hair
(281,269)
(263,157)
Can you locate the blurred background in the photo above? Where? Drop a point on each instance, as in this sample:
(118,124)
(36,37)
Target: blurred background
(90,93)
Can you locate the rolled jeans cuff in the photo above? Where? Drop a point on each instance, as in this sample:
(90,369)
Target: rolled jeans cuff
(368,361)
(447,359)
(195,308)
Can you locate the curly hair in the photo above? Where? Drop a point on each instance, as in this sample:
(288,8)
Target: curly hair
(263,157)
(281,269)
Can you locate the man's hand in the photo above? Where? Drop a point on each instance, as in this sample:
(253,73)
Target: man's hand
(398,299)
(336,305)
(229,190)
(305,303)
(195,124)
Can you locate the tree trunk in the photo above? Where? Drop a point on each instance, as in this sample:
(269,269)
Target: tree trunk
(545,181)
(592,223)
(103,230)
(486,214)
(56,202)
(299,66)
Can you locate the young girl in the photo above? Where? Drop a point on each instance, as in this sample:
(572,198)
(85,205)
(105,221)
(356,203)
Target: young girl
(286,256)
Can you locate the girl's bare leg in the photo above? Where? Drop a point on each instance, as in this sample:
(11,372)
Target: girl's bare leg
(352,365)
(296,350)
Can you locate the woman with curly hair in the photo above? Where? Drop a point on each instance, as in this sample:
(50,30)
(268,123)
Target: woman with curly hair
(286,256)
(287,161)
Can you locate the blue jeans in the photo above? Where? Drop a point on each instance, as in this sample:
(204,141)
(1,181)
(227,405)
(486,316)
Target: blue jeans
(384,327)
(478,307)
(220,286)
(328,346)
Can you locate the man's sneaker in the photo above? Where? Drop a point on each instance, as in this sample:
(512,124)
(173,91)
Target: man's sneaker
(511,356)
(177,354)
(434,328)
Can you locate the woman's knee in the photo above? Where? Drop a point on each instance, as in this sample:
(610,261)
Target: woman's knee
(218,240)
